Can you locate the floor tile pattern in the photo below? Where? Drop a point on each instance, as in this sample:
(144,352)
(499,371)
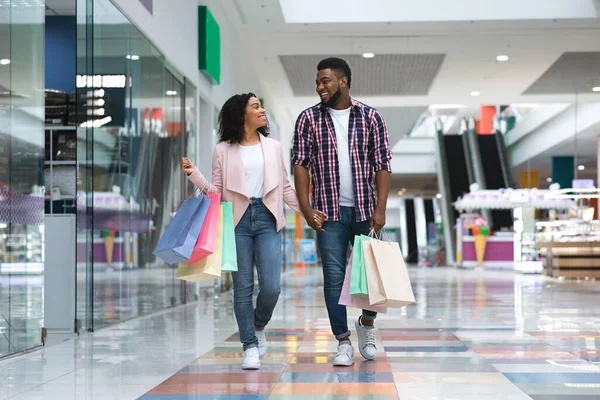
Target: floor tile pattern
(471,335)
(487,356)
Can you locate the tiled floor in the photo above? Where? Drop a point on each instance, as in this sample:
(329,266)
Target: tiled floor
(471,335)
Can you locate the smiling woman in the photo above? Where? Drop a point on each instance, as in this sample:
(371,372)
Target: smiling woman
(238,112)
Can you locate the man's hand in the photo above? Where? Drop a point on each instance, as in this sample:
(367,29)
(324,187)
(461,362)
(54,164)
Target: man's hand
(315,219)
(378,219)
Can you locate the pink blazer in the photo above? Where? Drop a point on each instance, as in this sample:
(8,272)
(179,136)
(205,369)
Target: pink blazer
(229,179)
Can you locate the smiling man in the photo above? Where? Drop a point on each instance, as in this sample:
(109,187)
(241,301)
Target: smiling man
(343,145)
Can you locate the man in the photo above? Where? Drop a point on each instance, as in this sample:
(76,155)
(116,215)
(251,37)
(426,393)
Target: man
(341,143)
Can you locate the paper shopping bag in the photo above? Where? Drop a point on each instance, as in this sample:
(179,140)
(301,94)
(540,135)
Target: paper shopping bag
(229,261)
(358,281)
(387,275)
(180,236)
(209,267)
(346,299)
(206,241)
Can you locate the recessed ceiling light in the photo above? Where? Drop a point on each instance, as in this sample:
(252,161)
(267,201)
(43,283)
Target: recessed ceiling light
(475,94)
(596,89)
(581,167)
(439,196)
(502,58)
(4,61)
(549,179)
(368,55)
(403,190)
(400,193)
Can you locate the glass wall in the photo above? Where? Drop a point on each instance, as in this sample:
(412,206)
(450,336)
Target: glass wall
(21,175)
(139,120)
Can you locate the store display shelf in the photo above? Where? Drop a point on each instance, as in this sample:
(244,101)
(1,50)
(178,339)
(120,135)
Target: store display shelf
(61,163)
(60,127)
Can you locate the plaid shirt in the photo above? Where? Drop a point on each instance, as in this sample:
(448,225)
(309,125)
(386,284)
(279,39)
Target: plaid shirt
(315,148)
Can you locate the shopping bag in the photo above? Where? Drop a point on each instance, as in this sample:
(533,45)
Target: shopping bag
(358,281)
(209,267)
(229,261)
(346,299)
(180,236)
(387,275)
(206,241)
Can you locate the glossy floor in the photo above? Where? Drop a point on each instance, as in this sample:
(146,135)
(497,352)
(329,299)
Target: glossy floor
(471,335)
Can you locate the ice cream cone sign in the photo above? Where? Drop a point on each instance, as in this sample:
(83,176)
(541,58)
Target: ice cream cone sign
(481,243)
(109,245)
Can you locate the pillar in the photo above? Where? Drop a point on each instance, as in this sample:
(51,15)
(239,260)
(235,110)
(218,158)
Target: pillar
(486,121)
(563,171)
(529,180)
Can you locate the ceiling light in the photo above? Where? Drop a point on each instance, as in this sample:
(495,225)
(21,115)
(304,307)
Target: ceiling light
(502,58)
(595,89)
(171,93)
(439,196)
(368,55)
(133,57)
(581,167)
(549,179)
(4,61)
(403,190)
(400,193)
(475,94)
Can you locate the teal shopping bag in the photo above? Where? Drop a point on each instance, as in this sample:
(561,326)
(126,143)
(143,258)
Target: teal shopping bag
(358,276)
(229,260)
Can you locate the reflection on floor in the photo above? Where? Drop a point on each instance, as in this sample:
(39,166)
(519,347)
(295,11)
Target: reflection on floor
(471,335)
(118,295)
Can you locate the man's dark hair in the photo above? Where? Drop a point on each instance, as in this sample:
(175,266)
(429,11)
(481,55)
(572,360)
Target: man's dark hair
(338,65)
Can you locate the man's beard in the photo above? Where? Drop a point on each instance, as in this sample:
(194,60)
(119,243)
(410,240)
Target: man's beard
(334,99)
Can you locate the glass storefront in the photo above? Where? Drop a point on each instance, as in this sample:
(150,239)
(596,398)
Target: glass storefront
(21,174)
(139,120)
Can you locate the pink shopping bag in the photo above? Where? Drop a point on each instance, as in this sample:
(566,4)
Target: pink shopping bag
(346,299)
(205,245)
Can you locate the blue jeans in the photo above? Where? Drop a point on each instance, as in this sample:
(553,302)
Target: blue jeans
(333,246)
(257,242)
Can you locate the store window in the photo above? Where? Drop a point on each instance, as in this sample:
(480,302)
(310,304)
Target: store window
(21,175)
(131,174)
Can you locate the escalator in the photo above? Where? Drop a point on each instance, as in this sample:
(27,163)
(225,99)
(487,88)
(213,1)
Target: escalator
(457,169)
(496,175)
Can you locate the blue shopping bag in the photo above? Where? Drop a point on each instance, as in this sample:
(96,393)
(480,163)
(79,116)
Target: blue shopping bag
(177,242)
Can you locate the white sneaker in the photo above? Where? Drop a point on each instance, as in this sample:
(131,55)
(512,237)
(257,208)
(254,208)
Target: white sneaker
(251,359)
(345,355)
(262,343)
(366,340)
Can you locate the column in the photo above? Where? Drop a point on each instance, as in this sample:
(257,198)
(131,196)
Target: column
(563,171)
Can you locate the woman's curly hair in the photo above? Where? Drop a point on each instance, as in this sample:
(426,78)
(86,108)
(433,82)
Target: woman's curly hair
(232,117)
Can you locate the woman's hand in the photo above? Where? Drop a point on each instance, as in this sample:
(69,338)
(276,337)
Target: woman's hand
(187,166)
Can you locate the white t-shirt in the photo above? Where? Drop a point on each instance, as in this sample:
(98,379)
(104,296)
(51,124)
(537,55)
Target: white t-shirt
(341,120)
(254,168)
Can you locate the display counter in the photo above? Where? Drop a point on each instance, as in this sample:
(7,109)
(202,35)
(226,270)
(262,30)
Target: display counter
(570,248)
(498,253)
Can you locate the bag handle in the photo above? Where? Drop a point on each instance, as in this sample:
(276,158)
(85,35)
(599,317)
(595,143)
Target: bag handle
(381,235)
(196,189)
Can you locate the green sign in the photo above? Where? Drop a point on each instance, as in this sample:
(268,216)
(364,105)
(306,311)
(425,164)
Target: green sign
(209,45)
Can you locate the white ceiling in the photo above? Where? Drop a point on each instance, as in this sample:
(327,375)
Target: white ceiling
(285,57)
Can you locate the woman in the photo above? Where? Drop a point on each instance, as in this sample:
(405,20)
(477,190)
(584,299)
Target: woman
(249,171)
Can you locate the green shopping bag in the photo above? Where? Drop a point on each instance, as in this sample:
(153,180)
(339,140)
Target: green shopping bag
(358,277)
(229,260)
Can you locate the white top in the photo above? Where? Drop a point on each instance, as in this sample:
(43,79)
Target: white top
(254,167)
(341,120)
